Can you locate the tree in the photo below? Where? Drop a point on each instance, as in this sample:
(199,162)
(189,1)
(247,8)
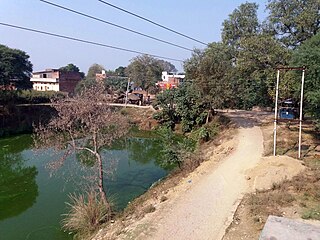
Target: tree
(15,66)
(211,71)
(167,116)
(166,66)
(71,68)
(294,21)
(191,107)
(242,23)
(257,58)
(121,71)
(93,70)
(308,54)
(145,71)
(183,105)
(84,125)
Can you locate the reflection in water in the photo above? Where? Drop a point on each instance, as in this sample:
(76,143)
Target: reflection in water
(143,150)
(24,182)
(18,188)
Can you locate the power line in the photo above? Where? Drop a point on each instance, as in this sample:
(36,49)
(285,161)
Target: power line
(152,22)
(86,41)
(116,25)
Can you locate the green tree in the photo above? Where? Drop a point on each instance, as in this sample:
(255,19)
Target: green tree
(71,68)
(15,66)
(211,71)
(242,23)
(294,21)
(167,116)
(191,107)
(257,59)
(183,105)
(308,54)
(120,71)
(145,71)
(93,70)
(116,84)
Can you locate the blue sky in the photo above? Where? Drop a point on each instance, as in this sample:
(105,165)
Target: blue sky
(200,19)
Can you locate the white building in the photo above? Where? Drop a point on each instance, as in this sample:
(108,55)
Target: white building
(168,77)
(55,80)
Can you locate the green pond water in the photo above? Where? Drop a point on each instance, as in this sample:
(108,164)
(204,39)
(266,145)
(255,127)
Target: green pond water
(32,201)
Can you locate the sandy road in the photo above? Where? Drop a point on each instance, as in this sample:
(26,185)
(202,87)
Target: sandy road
(205,210)
(201,206)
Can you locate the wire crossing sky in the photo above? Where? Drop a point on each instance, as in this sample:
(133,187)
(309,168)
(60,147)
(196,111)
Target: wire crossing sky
(85,41)
(152,22)
(116,25)
(201,20)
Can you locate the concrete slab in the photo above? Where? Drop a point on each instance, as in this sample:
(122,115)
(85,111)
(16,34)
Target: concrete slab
(279,228)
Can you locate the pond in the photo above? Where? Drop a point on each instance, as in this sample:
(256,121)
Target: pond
(32,201)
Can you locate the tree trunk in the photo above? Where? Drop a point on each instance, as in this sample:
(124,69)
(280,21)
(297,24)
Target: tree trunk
(100,183)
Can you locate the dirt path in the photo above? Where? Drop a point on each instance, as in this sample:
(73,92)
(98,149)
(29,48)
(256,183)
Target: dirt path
(202,206)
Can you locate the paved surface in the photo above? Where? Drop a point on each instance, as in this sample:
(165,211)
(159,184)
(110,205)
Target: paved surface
(279,228)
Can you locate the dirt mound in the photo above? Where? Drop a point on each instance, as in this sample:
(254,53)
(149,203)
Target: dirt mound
(273,170)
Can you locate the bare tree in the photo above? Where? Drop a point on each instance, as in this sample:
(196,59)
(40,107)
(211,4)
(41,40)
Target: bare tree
(85,123)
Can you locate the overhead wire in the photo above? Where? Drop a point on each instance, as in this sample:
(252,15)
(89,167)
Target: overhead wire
(116,25)
(86,41)
(152,22)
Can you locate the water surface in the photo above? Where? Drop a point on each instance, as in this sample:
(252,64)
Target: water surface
(32,202)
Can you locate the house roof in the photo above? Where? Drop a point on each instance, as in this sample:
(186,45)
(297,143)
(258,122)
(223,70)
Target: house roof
(49,70)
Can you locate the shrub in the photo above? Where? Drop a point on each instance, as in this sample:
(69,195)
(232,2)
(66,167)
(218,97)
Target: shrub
(313,213)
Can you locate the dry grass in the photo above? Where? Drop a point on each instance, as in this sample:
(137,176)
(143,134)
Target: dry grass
(298,197)
(86,214)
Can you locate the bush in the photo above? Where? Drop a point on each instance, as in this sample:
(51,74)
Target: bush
(87,212)
(28,96)
(175,148)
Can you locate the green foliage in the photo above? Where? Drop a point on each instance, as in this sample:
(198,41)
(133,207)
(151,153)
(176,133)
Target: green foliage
(15,66)
(242,23)
(167,116)
(120,71)
(116,84)
(175,148)
(294,21)
(28,96)
(190,106)
(313,213)
(85,83)
(308,54)
(205,132)
(93,70)
(145,71)
(212,73)
(71,68)
(183,105)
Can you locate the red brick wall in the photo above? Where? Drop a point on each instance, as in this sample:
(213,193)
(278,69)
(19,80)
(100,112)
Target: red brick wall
(68,81)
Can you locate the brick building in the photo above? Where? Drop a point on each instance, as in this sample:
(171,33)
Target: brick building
(55,80)
(170,80)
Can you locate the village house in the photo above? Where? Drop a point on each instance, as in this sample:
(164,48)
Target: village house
(170,80)
(55,80)
(101,76)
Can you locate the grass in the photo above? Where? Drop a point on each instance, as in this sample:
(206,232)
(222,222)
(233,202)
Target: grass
(302,192)
(312,213)
(86,214)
